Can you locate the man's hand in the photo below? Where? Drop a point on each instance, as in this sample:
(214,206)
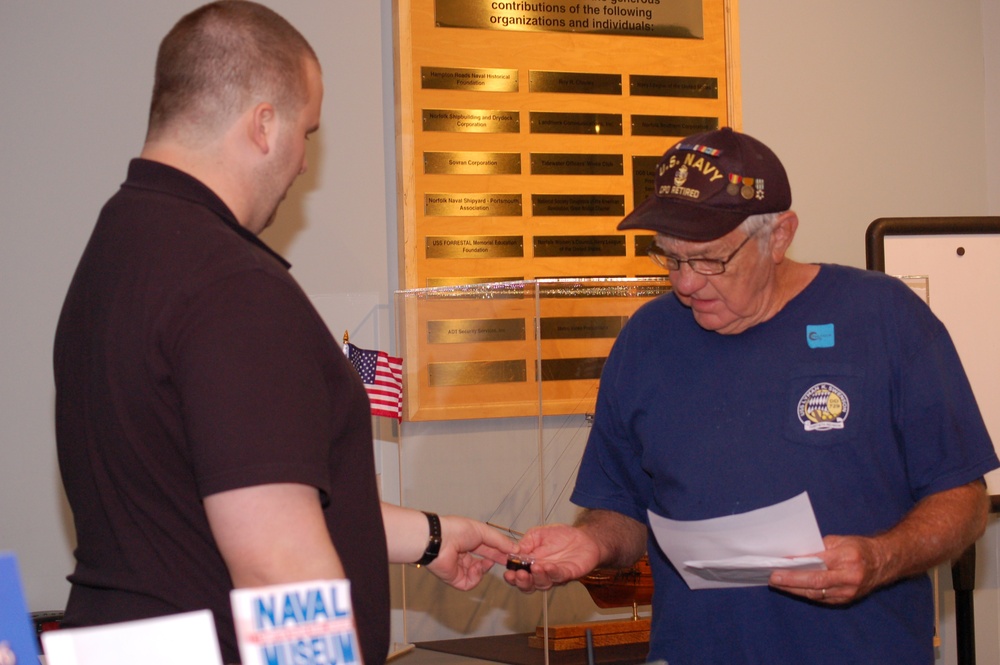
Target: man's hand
(854,569)
(561,553)
(938,529)
(468,550)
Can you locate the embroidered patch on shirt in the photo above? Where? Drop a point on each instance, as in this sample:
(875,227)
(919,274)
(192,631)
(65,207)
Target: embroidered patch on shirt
(823,407)
(820,337)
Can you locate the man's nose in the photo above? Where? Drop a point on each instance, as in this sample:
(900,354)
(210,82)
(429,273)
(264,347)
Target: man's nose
(685,280)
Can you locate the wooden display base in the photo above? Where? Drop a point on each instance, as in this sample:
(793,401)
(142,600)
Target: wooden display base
(605,633)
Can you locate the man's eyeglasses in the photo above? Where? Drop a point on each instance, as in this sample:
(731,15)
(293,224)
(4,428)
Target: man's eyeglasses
(700,266)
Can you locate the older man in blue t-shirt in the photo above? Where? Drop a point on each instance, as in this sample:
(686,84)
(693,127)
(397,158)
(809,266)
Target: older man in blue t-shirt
(759,378)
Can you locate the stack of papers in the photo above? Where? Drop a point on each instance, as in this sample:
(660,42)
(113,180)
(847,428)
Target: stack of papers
(742,550)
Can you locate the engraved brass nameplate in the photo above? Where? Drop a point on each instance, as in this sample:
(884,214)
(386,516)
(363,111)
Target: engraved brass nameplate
(642,245)
(593,84)
(472,163)
(673,86)
(579,246)
(459,331)
(572,279)
(476,373)
(544,122)
(581,327)
(478,80)
(609,290)
(577,205)
(572,369)
(559,163)
(680,19)
(672,125)
(472,205)
(432,282)
(474,247)
(643,174)
(471,121)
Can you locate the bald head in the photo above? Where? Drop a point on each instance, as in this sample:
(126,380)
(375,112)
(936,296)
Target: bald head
(218,61)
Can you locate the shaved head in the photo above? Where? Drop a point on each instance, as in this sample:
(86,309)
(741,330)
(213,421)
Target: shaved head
(219,60)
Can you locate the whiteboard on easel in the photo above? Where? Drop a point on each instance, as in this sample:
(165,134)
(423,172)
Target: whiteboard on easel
(960,259)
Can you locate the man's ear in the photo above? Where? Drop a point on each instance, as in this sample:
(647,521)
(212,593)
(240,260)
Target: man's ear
(262,126)
(783,233)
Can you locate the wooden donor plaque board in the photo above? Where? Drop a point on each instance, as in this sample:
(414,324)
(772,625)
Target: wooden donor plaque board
(526,131)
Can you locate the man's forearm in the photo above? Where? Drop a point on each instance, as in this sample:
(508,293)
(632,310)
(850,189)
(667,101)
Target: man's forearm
(621,539)
(406,533)
(938,529)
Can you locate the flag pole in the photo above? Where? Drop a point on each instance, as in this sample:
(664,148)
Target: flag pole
(406,647)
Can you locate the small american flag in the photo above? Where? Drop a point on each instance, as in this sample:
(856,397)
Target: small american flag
(382,375)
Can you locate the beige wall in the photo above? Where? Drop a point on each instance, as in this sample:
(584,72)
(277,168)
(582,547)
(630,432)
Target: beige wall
(876,108)
(880,108)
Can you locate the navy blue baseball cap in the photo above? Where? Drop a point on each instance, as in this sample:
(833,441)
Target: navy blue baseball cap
(708,184)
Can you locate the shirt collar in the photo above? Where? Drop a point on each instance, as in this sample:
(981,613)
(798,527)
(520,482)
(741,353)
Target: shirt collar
(155,176)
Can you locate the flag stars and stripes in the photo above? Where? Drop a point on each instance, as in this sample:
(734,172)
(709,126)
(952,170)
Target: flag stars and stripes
(382,375)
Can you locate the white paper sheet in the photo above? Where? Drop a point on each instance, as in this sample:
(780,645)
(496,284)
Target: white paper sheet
(188,638)
(741,550)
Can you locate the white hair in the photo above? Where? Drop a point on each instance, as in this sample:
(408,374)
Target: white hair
(761,225)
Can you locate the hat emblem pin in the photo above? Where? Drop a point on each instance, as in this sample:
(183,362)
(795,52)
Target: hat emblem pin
(681,175)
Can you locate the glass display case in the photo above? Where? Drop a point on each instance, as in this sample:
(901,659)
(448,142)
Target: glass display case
(500,384)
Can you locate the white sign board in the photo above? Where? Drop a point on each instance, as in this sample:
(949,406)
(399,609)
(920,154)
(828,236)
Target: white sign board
(960,256)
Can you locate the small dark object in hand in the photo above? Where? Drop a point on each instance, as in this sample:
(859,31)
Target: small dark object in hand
(516,562)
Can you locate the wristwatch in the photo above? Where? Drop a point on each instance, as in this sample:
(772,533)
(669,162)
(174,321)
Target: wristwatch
(434,541)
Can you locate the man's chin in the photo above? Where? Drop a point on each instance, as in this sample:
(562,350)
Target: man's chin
(270,219)
(707,321)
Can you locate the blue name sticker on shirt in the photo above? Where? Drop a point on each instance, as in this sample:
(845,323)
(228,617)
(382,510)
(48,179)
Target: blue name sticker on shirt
(820,337)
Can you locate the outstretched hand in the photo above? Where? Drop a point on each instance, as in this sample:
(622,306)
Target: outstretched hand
(560,553)
(468,550)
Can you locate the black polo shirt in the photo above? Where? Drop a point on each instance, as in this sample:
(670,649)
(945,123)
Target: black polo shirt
(188,362)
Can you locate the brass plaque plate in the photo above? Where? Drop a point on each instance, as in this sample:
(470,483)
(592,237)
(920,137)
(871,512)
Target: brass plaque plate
(471,121)
(545,122)
(581,327)
(472,205)
(671,125)
(478,80)
(472,163)
(562,163)
(433,282)
(477,373)
(577,205)
(577,246)
(678,18)
(460,331)
(572,369)
(474,247)
(673,86)
(609,290)
(642,245)
(643,178)
(579,83)
(578,278)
